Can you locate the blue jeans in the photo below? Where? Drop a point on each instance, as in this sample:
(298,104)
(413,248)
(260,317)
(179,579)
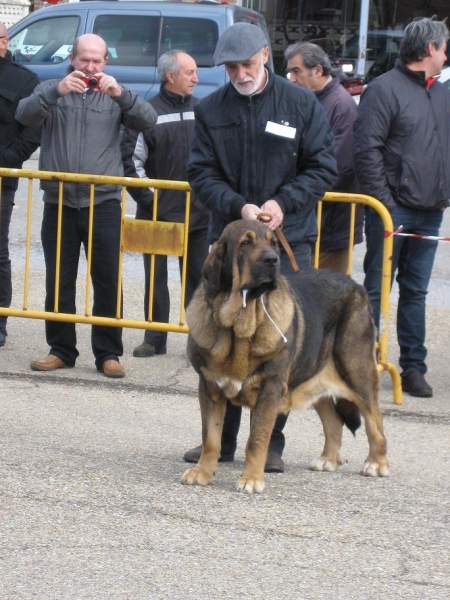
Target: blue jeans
(6,207)
(61,337)
(413,260)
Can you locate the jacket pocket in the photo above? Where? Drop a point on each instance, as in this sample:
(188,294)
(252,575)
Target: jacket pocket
(8,103)
(278,140)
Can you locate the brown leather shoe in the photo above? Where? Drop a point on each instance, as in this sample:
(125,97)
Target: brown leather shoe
(49,363)
(113,368)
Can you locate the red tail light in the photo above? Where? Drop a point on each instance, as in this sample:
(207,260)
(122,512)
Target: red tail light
(354,86)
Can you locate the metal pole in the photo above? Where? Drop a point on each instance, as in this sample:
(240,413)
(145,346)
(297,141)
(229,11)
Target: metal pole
(363,27)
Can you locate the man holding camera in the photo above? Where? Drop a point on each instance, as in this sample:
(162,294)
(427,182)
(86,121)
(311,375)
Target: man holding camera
(80,134)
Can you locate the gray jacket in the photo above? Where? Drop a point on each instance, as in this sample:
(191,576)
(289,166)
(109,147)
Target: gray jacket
(81,134)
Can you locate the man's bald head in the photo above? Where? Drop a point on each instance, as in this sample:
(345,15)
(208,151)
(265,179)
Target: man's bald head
(89,54)
(88,42)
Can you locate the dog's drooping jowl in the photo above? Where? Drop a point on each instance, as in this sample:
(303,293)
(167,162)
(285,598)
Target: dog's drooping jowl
(259,341)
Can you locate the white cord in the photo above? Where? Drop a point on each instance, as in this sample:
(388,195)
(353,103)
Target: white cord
(272,321)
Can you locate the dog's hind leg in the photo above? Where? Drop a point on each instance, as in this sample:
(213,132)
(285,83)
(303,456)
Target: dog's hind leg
(357,367)
(376,464)
(330,459)
(213,414)
(363,382)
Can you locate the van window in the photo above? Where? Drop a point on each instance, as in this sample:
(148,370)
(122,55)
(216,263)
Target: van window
(131,40)
(197,37)
(45,41)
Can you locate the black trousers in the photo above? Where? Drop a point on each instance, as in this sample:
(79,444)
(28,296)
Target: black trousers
(302,253)
(6,208)
(197,253)
(61,337)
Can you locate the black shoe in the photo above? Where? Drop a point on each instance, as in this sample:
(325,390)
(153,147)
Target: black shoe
(147,350)
(3,335)
(274,463)
(415,385)
(193,455)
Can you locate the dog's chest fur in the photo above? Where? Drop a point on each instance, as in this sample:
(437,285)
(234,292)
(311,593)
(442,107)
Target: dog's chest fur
(237,344)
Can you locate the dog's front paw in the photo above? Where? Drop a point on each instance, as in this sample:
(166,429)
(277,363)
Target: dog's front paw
(373,469)
(250,485)
(325,464)
(197,476)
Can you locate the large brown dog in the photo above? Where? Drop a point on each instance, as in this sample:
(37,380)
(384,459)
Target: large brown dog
(263,343)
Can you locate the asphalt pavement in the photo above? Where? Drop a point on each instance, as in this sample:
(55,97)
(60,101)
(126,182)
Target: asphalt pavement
(91,501)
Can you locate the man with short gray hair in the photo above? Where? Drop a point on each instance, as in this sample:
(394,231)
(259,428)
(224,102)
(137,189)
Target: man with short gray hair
(310,67)
(162,153)
(402,157)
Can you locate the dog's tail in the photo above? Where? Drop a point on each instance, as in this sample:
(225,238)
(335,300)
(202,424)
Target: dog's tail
(349,414)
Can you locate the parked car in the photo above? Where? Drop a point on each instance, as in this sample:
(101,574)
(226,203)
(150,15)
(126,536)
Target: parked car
(382,49)
(444,77)
(137,33)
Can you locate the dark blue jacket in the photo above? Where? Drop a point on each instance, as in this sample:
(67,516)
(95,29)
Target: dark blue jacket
(234,160)
(402,141)
(341,111)
(162,153)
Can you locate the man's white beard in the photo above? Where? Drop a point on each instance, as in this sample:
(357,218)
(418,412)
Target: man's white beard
(249,91)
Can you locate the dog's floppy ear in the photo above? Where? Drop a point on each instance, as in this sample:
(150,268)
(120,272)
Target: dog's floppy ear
(212,268)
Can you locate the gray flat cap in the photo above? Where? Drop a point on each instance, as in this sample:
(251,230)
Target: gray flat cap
(238,43)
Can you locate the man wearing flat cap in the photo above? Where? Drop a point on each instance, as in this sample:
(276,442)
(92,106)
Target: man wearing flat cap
(261,145)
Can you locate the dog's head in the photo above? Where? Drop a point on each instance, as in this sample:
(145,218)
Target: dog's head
(246,258)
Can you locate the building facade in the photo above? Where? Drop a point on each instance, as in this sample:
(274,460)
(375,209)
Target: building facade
(12,11)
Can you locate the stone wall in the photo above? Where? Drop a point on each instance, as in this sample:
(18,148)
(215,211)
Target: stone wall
(12,11)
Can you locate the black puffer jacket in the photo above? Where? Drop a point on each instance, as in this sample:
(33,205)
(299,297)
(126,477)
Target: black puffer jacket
(234,160)
(17,143)
(402,140)
(162,153)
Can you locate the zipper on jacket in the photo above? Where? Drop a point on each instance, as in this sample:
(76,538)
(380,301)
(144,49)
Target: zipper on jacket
(80,151)
(252,158)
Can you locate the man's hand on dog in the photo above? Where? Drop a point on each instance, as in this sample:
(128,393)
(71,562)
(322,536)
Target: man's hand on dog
(250,212)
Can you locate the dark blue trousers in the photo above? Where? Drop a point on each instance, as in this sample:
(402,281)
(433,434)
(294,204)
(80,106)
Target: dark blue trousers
(6,207)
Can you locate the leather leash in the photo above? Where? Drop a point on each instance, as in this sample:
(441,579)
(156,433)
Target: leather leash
(266,218)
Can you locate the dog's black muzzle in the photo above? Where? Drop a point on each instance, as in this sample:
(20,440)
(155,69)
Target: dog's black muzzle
(264,275)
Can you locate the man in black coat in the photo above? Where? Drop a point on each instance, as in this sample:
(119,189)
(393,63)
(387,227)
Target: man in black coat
(17,144)
(162,153)
(261,145)
(402,158)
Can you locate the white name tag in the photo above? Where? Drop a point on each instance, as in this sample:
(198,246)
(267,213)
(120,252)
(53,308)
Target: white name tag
(281,130)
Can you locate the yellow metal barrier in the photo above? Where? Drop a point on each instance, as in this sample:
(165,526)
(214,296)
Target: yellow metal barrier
(136,236)
(388,244)
(156,237)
